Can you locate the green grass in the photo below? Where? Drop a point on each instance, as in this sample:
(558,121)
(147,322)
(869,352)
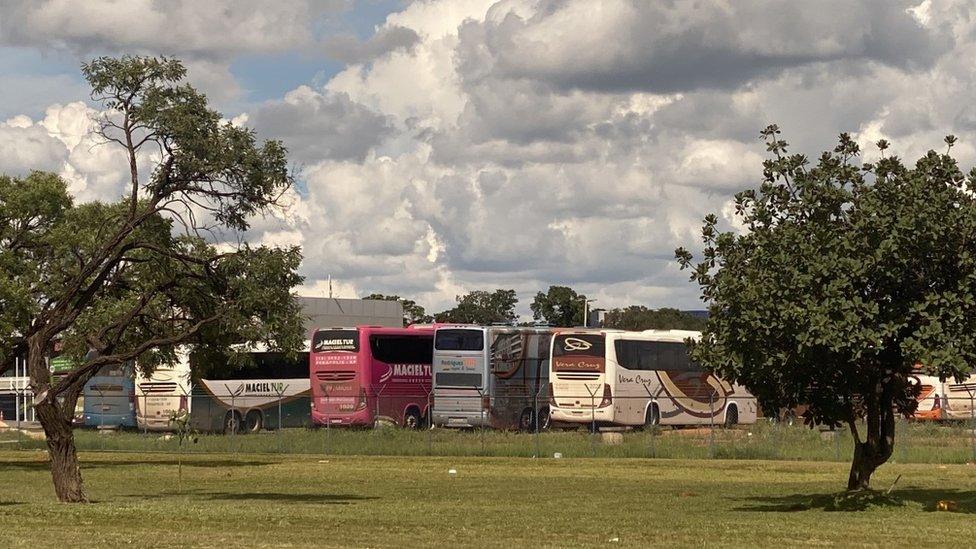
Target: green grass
(263,500)
(915,443)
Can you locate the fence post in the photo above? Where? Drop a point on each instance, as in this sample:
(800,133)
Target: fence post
(430,423)
(837,445)
(481,430)
(535,416)
(904,442)
(376,408)
(972,422)
(650,428)
(593,431)
(328,424)
(711,421)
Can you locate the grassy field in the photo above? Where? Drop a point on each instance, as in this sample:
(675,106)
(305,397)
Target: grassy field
(263,500)
(915,443)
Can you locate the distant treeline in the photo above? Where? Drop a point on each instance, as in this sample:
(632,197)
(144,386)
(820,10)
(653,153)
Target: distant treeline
(559,306)
(639,317)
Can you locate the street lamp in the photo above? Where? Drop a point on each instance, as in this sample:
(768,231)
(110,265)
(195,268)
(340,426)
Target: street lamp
(586,310)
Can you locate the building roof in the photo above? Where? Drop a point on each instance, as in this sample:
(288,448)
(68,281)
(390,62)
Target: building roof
(324,312)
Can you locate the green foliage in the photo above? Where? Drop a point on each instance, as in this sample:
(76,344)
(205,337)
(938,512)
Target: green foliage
(162,267)
(412,312)
(846,277)
(559,306)
(482,307)
(29,206)
(639,317)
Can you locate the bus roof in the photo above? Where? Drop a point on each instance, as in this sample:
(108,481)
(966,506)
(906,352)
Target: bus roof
(412,329)
(503,328)
(670,334)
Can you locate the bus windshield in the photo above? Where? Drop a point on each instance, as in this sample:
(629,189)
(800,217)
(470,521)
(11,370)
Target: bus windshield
(459,340)
(579,352)
(335,340)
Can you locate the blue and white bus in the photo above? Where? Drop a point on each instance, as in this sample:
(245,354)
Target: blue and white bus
(110,397)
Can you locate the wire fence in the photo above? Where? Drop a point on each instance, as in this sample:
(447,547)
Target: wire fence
(452,423)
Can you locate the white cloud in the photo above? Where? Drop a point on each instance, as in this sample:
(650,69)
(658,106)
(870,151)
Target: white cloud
(207,29)
(476,144)
(25,146)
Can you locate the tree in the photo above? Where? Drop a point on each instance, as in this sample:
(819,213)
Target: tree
(482,307)
(135,279)
(412,313)
(639,317)
(559,306)
(845,278)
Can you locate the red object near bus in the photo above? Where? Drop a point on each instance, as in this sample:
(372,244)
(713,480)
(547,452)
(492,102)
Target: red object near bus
(369,373)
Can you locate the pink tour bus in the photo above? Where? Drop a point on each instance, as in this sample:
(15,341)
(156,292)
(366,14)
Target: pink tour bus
(369,373)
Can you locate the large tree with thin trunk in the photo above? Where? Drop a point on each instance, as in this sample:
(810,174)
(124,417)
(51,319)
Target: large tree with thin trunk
(482,307)
(846,277)
(559,306)
(163,267)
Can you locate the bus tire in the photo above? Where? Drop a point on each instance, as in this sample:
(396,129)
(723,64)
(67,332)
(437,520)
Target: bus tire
(789,417)
(545,420)
(254,421)
(232,422)
(652,416)
(526,423)
(731,416)
(412,419)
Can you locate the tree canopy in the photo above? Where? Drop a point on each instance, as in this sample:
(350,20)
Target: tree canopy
(482,307)
(412,312)
(559,306)
(639,317)
(846,278)
(162,267)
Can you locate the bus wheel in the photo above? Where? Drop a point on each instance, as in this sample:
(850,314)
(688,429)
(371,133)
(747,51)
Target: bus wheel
(526,422)
(253,421)
(731,416)
(545,420)
(412,419)
(232,422)
(652,417)
(789,417)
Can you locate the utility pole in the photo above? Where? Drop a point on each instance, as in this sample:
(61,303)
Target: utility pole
(586,310)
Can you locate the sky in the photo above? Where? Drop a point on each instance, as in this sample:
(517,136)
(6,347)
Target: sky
(444,146)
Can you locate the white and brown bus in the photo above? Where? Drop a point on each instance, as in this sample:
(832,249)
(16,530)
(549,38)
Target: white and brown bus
(616,377)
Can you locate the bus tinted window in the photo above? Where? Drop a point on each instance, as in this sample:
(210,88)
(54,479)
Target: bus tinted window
(579,344)
(460,340)
(399,349)
(335,340)
(654,355)
(257,366)
(453,379)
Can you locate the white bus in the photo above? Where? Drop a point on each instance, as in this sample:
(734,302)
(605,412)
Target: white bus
(491,376)
(163,394)
(945,400)
(615,377)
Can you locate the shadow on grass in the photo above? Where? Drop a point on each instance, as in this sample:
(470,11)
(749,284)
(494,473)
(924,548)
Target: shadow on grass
(327,499)
(45,466)
(958,501)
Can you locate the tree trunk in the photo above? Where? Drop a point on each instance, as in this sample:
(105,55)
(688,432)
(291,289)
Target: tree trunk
(65,471)
(861,468)
(55,418)
(879,441)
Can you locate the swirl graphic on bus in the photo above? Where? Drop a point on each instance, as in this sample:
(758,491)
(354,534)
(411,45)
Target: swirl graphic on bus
(576,344)
(696,393)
